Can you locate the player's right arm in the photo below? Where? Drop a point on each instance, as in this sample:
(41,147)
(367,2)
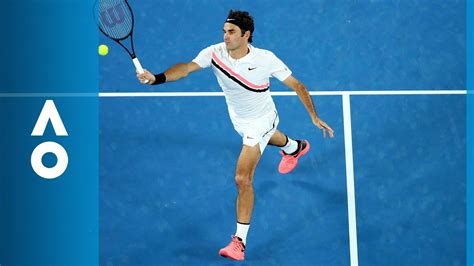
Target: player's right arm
(174,73)
(179,71)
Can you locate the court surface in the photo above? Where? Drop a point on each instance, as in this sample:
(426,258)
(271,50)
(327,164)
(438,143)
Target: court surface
(167,195)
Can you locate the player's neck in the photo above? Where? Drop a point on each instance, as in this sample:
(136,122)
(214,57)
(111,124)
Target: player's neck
(239,53)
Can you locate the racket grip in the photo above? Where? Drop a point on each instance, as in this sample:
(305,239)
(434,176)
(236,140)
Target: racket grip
(138,66)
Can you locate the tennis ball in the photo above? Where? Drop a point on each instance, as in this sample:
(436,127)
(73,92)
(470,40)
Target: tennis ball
(103,50)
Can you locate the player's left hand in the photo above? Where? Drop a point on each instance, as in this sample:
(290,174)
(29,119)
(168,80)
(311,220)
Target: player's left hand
(324,127)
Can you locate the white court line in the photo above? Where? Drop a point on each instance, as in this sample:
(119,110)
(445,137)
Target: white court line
(279,93)
(351,209)
(209,93)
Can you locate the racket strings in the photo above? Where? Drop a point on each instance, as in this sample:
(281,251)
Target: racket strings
(115,18)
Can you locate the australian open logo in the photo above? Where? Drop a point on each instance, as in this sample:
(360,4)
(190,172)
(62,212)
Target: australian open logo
(49,113)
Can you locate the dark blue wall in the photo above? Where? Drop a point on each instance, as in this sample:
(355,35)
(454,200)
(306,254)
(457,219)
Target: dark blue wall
(329,45)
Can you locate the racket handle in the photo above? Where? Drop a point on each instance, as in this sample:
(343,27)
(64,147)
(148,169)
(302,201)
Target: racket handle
(139,67)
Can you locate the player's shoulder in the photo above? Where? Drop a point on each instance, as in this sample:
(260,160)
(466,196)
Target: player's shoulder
(263,53)
(217,47)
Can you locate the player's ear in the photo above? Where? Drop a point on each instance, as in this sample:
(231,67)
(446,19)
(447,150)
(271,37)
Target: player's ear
(247,34)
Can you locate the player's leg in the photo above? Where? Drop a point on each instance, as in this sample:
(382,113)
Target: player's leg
(246,165)
(278,139)
(291,150)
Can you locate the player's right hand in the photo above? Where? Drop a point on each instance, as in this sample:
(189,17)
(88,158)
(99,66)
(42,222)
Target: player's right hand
(146,77)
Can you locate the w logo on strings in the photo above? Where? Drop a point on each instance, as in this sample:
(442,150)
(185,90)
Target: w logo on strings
(112,16)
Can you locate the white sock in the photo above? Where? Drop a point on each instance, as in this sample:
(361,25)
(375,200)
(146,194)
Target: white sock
(290,147)
(242,230)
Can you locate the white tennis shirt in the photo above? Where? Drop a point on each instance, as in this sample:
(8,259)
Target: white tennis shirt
(245,81)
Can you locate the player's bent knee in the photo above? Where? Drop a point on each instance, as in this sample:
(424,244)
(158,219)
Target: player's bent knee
(243,180)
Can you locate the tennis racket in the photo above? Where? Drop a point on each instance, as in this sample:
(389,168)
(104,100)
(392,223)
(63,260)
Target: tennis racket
(115,19)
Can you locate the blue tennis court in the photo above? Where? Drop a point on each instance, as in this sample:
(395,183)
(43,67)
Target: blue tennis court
(168,196)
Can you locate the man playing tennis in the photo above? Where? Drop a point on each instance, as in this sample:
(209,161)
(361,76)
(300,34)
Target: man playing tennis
(243,73)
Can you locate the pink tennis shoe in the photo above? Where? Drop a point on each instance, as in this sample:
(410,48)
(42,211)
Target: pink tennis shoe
(235,249)
(289,162)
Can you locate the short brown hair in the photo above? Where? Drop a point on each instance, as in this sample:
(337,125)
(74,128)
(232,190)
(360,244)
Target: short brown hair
(245,21)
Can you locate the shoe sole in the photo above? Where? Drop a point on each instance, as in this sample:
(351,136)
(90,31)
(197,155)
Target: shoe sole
(225,255)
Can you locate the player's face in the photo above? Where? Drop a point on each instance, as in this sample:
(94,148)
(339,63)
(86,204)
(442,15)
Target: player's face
(233,38)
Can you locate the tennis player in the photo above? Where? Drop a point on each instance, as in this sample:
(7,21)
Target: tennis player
(243,72)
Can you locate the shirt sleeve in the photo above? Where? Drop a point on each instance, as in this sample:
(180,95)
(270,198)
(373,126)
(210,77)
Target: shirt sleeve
(203,59)
(278,69)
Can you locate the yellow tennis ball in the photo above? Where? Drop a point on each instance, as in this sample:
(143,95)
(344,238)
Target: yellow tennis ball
(103,50)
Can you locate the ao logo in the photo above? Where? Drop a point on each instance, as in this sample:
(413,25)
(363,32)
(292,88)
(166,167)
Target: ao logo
(48,113)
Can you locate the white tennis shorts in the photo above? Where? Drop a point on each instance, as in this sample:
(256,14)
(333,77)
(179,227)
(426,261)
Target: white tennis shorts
(257,131)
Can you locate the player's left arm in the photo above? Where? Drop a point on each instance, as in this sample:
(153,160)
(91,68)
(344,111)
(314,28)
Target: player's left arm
(305,98)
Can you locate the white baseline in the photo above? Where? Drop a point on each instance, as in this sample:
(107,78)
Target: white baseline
(281,93)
